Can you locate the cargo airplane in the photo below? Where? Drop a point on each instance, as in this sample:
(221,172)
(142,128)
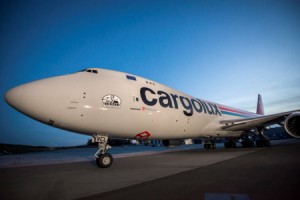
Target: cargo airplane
(105,103)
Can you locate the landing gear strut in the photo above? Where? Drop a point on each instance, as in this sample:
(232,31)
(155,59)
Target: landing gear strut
(230,143)
(262,140)
(103,159)
(209,143)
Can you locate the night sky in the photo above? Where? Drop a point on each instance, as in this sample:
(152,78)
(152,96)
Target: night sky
(223,51)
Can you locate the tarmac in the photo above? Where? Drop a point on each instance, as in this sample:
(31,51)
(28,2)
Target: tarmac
(183,173)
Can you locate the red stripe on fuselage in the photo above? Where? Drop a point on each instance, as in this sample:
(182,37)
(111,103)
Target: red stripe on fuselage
(236,111)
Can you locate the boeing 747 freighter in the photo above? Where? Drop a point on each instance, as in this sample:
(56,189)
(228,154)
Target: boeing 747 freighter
(111,104)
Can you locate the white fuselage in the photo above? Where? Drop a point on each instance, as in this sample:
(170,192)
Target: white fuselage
(120,105)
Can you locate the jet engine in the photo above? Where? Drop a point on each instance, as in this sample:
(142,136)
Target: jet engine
(292,124)
(172,143)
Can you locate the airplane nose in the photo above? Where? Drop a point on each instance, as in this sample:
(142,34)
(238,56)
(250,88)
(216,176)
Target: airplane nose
(13,97)
(45,100)
(28,99)
(40,100)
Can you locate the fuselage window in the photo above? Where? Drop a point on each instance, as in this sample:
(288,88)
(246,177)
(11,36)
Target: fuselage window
(94,71)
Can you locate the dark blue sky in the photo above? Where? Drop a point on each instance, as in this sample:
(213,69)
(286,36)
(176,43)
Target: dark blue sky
(224,51)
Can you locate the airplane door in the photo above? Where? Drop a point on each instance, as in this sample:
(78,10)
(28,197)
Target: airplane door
(135,103)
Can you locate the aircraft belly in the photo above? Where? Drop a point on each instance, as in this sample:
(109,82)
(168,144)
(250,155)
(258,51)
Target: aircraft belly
(169,124)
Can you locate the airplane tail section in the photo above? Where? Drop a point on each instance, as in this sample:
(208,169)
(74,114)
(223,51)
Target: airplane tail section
(260,106)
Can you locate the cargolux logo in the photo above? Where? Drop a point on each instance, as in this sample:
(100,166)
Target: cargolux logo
(172,100)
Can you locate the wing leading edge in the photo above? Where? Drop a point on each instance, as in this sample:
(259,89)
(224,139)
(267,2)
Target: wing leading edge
(253,122)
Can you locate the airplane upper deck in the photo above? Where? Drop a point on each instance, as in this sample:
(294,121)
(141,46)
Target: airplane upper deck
(225,110)
(117,74)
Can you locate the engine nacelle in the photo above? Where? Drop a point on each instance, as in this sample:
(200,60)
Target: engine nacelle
(172,143)
(292,124)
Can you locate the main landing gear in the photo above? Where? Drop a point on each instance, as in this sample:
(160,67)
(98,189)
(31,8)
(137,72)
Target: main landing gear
(262,140)
(103,159)
(209,143)
(230,143)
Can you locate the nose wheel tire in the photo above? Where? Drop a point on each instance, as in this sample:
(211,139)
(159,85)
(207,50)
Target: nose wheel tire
(105,160)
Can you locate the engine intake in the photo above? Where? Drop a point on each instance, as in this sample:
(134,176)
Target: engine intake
(292,124)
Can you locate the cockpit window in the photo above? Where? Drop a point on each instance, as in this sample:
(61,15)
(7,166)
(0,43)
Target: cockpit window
(94,71)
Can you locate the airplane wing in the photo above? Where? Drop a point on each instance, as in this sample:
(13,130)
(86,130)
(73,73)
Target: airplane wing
(260,121)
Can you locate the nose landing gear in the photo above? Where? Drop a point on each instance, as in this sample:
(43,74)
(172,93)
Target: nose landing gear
(103,159)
